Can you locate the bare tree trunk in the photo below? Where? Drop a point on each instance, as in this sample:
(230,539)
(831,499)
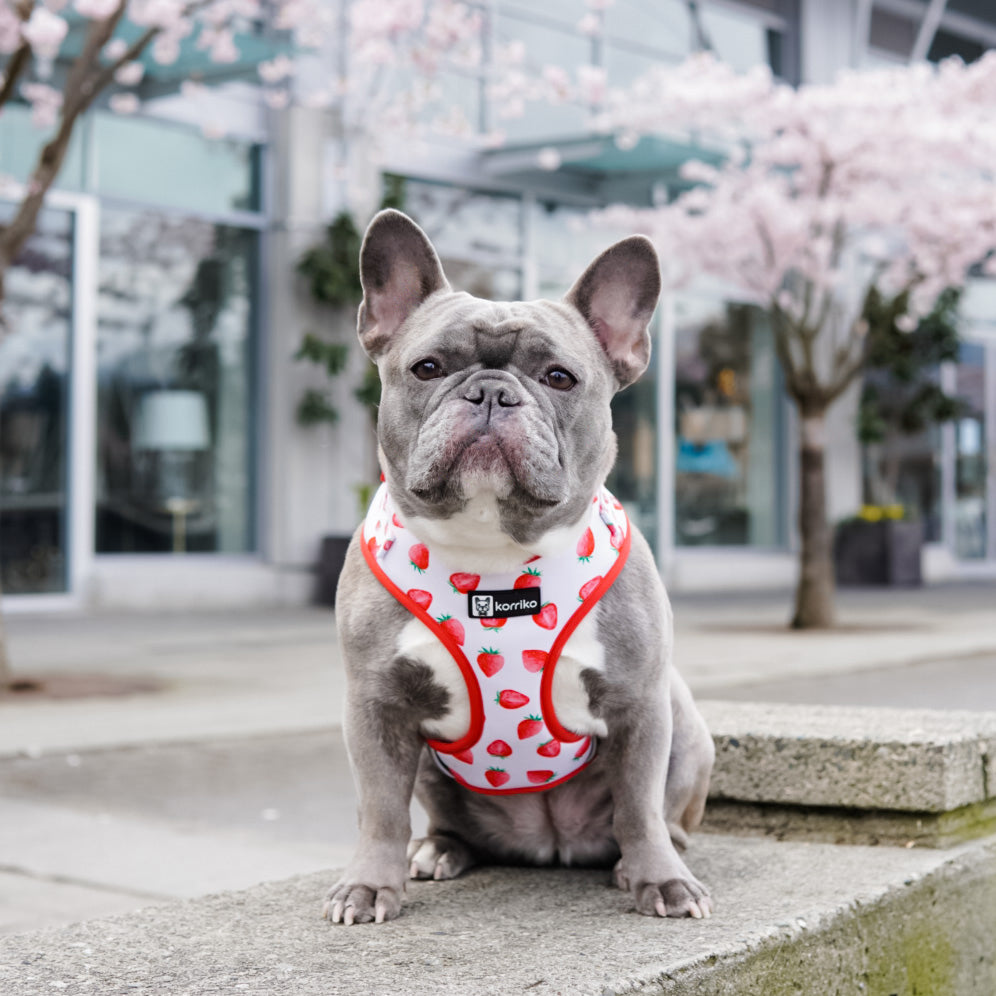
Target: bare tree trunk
(814,596)
(6,673)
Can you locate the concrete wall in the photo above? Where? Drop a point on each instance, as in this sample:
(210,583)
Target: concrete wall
(311,473)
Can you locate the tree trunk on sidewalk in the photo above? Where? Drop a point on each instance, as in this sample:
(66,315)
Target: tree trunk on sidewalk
(6,674)
(814,596)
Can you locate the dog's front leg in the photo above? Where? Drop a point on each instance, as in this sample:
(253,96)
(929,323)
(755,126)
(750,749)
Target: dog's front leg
(650,867)
(381,727)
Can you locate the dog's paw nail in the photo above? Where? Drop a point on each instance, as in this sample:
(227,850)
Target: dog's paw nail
(659,907)
(695,911)
(380,913)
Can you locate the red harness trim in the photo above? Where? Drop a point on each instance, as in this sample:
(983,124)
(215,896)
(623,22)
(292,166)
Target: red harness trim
(473,689)
(522,788)
(546,686)
(470,679)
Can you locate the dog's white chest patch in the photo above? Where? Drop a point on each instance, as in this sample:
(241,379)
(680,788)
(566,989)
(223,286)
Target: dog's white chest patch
(570,699)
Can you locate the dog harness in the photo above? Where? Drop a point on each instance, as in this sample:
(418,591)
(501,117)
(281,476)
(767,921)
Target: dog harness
(506,632)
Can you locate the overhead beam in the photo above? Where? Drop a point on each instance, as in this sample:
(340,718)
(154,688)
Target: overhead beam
(928,28)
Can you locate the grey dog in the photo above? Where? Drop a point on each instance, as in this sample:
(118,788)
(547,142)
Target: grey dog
(494,432)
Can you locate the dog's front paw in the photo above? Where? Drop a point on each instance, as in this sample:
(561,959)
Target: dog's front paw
(350,901)
(438,857)
(675,892)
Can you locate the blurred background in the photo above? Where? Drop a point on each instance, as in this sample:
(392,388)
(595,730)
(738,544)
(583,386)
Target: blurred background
(186,418)
(164,443)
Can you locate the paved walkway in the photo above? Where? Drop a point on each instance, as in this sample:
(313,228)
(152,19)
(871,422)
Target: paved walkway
(234,771)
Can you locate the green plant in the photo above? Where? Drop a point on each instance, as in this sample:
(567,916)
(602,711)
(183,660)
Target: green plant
(902,395)
(332,272)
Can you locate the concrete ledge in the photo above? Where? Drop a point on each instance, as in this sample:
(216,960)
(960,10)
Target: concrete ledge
(835,825)
(906,761)
(791,918)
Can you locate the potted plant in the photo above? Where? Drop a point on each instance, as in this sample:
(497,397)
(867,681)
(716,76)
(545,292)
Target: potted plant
(901,398)
(332,271)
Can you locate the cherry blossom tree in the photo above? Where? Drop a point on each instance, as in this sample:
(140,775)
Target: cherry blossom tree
(882,180)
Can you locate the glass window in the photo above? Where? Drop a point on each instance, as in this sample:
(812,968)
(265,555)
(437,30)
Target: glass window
(174,352)
(544,45)
(34,397)
(569,12)
(478,236)
(904,468)
(21,141)
(737,38)
(728,426)
(634,478)
(664,24)
(970,453)
(173,166)
(564,243)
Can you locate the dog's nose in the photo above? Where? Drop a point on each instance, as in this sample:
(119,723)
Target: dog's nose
(502,394)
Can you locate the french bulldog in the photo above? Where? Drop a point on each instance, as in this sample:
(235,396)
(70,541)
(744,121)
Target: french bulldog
(495,438)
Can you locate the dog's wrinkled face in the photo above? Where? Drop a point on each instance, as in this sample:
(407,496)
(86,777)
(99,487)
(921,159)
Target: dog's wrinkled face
(503,400)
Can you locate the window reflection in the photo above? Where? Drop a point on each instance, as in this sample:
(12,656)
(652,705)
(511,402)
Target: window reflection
(970,454)
(174,337)
(477,235)
(727,424)
(34,369)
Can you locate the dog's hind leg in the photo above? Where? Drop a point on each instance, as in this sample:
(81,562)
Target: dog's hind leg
(692,755)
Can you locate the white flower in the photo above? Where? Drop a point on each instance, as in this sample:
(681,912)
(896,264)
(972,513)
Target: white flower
(130,73)
(98,10)
(124,103)
(44,32)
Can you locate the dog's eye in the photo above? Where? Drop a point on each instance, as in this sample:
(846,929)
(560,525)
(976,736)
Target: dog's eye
(427,370)
(559,380)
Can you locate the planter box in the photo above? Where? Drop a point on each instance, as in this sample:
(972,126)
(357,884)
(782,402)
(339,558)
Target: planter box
(331,557)
(878,553)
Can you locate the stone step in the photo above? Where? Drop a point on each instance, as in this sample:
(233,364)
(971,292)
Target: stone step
(790,918)
(852,775)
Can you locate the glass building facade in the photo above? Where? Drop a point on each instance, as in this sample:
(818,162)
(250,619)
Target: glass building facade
(176,227)
(143,437)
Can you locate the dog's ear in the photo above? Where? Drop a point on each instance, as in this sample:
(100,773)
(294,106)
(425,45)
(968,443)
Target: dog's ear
(617,295)
(399,269)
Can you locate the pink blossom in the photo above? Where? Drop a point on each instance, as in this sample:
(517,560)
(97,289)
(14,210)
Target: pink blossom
(590,24)
(114,49)
(884,176)
(45,103)
(592,84)
(130,74)
(124,103)
(10,30)
(98,10)
(44,32)
(276,69)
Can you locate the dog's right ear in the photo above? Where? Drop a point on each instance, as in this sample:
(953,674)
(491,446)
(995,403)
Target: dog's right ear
(399,269)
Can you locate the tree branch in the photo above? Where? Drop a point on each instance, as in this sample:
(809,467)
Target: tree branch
(14,69)
(81,88)
(783,348)
(850,361)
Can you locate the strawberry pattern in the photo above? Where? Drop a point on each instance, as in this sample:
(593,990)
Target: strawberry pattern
(515,742)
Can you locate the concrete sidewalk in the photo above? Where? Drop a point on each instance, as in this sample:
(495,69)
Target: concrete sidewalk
(264,672)
(234,772)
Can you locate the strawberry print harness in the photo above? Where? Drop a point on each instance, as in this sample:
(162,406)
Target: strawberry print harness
(506,632)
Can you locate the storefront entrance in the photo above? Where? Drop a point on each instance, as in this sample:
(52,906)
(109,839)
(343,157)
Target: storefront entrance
(46,406)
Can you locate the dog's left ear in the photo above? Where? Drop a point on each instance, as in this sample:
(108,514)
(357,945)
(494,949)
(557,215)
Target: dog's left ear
(399,269)
(617,295)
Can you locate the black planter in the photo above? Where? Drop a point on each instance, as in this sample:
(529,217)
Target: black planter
(878,553)
(331,557)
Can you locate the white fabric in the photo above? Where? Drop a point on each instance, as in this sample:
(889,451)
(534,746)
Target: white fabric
(503,661)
